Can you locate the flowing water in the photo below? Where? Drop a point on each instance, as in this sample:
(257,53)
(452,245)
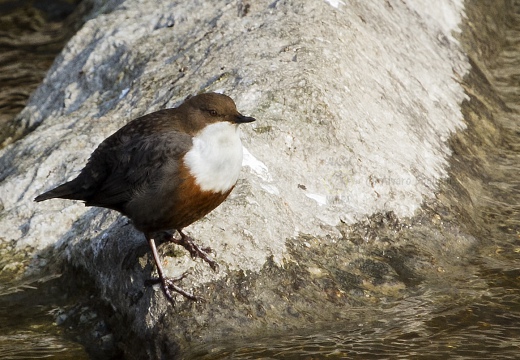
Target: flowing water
(475,316)
(477,319)
(32,33)
(28,328)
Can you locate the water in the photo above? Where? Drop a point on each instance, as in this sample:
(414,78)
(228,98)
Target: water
(32,33)
(27,321)
(475,319)
(473,313)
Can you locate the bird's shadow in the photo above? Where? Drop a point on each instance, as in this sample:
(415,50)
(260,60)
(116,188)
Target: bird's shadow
(101,251)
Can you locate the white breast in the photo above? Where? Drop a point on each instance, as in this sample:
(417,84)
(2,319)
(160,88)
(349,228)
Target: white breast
(216,157)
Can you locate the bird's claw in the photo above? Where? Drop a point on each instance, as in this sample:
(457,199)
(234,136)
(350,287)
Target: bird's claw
(195,251)
(168,287)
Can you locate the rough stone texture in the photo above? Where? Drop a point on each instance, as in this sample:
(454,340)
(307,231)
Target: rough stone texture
(355,102)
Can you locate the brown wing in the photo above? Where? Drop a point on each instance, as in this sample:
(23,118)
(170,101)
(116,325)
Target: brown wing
(128,161)
(138,167)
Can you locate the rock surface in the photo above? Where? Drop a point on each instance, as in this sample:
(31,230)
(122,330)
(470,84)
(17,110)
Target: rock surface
(355,104)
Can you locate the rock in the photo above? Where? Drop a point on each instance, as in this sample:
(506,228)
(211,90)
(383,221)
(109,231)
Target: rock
(355,104)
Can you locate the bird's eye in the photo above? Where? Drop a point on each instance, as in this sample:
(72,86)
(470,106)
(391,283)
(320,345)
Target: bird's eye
(213,112)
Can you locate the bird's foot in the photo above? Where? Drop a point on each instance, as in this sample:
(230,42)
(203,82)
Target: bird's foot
(195,251)
(168,287)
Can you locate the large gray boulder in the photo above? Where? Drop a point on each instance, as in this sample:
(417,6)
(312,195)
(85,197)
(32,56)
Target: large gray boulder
(354,104)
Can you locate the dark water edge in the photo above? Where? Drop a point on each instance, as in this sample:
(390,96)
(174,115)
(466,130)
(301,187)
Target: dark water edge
(32,33)
(28,328)
(471,310)
(471,322)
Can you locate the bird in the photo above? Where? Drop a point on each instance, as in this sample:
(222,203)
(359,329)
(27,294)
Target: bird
(164,171)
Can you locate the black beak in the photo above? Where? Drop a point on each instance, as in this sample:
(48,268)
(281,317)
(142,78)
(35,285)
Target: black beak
(241,119)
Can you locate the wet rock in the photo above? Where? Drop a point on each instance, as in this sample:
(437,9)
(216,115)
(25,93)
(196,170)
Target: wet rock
(354,112)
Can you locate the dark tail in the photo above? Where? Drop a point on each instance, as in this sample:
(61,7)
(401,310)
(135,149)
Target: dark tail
(65,191)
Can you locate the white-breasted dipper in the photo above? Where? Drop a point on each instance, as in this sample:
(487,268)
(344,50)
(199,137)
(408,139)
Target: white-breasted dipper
(164,171)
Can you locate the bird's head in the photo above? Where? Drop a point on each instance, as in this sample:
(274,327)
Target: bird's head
(209,108)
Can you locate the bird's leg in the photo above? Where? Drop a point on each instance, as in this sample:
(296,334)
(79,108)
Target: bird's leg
(168,284)
(187,242)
